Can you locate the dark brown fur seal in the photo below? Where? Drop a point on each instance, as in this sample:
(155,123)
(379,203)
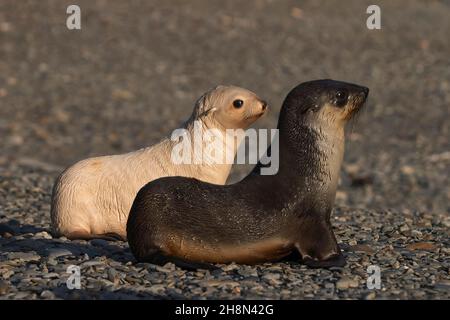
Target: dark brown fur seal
(262,218)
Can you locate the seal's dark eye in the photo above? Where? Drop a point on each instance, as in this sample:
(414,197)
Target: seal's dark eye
(341,98)
(238,103)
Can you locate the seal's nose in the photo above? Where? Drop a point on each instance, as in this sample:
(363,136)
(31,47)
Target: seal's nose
(365,91)
(264,105)
(362,93)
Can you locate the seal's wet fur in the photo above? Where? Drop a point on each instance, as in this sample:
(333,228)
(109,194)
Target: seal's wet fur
(262,218)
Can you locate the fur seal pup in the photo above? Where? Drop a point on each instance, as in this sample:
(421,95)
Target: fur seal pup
(92,199)
(263,217)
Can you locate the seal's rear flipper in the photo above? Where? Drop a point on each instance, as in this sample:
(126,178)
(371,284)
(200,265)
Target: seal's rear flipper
(114,236)
(334,261)
(82,235)
(317,244)
(161,259)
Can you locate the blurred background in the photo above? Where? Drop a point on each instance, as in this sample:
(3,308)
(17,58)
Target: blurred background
(133,72)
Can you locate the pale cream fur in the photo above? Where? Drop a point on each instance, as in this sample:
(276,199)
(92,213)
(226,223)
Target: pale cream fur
(93,197)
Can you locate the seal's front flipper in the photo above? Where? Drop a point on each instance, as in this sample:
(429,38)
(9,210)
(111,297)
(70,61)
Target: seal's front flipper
(337,260)
(317,244)
(161,259)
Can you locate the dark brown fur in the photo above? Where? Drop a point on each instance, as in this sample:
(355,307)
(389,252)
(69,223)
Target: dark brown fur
(262,218)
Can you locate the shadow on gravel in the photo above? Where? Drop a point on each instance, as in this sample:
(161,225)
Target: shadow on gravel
(120,294)
(13,227)
(21,248)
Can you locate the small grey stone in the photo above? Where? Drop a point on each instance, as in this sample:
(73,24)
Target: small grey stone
(247,271)
(404,228)
(21,295)
(162,269)
(387,229)
(46,294)
(157,289)
(230,267)
(272,278)
(219,283)
(92,263)
(329,285)
(50,275)
(417,234)
(52,262)
(25,256)
(370,296)
(345,283)
(58,252)
(113,275)
(43,235)
(443,285)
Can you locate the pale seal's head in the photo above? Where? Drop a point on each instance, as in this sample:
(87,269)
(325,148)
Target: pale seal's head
(229,106)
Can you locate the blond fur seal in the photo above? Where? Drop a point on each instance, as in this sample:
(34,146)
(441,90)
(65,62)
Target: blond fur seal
(92,198)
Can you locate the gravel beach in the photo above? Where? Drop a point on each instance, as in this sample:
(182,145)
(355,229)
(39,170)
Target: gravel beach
(132,74)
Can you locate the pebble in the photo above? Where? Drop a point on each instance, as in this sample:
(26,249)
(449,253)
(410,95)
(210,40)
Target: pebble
(329,285)
(56,253)
(159,268)
(426,246)
(417,234)
(219,283)
(443,285)
(50,275)
(92,263)
(52,262)
(345,283)
(25,256)
(21,295)
(248,271)
(272,278)
(362,248)
(157,289)
(46,294)
(230,267)
(370,296)
(113,276)
(43,235)
(404,228)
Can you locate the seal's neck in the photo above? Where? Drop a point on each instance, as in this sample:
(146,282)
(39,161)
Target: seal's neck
(207,133)
(212,149)
(310,160)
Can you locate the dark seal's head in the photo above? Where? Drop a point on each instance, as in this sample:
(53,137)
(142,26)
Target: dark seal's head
(327,102)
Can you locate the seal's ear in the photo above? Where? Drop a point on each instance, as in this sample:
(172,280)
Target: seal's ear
(204,104)
(201,106)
